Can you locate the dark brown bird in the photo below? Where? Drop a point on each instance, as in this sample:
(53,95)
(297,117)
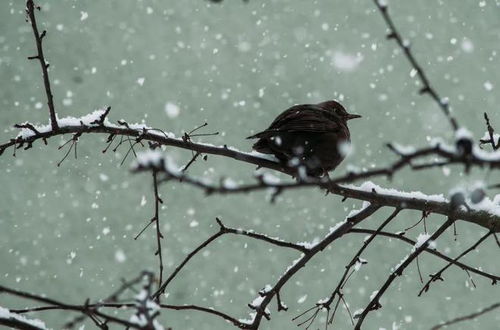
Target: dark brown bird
(314,136)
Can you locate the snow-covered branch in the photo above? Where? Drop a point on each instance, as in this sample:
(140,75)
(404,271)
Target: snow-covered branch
(485,213)
(474,207)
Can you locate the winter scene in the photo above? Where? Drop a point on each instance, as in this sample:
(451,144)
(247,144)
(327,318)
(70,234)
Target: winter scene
(245,164)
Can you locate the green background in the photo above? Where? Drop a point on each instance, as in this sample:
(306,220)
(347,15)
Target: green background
(236,66)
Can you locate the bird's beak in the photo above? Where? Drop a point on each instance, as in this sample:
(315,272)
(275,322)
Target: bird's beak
(352,116)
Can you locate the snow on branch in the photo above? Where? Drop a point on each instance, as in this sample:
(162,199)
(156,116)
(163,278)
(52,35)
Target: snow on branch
(9,319)
(486,213)
(473,206)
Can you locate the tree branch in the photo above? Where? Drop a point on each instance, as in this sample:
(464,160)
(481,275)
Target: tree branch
(88,310)
(467,317)
(223,229)
(336,232)
(493,278)
(375,301)
(438,275)
(367,192)
(30,11)
(405,47)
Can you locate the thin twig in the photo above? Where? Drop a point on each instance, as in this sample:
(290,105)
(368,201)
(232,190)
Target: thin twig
(491,133)
(375,301)
(223,229)
(345,276)
(298,264)
(467,317)
(159,235)
(86,309)
(438,275)
(434,252)
(405,47)
(30,10)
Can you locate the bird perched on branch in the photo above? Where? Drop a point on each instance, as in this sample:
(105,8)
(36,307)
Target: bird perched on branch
(312,136)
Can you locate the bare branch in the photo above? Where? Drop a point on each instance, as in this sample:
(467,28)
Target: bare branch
(438,254)
(375,301)
(491,132)
(438,275)
(163,286)
(14,321)
(156,218)
(87,310)
(405,47)
(467,317)
(223,229)
(377,195)
(326,303)
(30,10)
(334,234)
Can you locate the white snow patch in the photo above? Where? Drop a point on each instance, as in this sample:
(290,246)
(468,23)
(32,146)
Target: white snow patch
(488,85)
(244,46)
(83,15)
(229,183)
(6,314)
(172,110)
(86,120)
(302,299)
(249,320)
(346,62)
(422,238)
(467,45)
(403,150)
(149,157)
(120,256)
(270,179)
(355,212)
(309,245)
(463,133)
(336,226)
(345,148)
(486,136)
(369,186)
(488,205)
(257,302)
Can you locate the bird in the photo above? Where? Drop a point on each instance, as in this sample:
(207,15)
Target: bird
(314,137)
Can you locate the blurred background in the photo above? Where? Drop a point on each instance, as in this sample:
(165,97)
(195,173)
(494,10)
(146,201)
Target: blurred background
(67,231)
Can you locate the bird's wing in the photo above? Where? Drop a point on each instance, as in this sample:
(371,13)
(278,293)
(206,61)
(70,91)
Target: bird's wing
(301,118)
